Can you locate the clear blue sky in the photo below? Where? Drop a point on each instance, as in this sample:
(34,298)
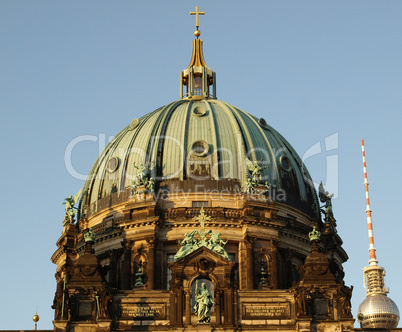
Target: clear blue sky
(312,69)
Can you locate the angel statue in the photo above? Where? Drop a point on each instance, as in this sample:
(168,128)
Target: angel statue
(255,168)
(249,186)
(215,243)
(325,197)
(189,244)
(70,201)
(142,174)
(150,185)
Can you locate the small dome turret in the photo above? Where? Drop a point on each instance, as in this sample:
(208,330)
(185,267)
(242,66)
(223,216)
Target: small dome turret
(197,81)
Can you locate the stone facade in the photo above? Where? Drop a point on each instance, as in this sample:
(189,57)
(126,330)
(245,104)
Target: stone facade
(146,193)
(300,290)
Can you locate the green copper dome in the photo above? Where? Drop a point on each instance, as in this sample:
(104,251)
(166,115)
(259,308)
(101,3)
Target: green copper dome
(204,141)
(199,144)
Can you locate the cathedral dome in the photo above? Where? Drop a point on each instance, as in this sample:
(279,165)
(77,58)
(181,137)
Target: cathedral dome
(199,144)
(199,191)
(201,141)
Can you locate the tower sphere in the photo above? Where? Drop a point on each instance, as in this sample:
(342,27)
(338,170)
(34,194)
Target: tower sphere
(378,311)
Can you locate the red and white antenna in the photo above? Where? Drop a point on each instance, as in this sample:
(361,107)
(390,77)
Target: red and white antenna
(373,259)
(377,310)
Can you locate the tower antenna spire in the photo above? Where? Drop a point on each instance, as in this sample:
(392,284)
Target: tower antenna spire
(377,310)
(373,259)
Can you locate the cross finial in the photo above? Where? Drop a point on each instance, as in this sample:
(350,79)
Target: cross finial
(202,218)
(197,13)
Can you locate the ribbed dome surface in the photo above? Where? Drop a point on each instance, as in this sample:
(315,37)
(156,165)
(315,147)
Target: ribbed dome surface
(379,311)
(208,132)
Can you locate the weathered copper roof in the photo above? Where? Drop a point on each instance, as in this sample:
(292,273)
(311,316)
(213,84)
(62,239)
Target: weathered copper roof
(165,138)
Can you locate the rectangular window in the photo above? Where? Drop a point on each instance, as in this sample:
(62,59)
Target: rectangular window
(169,259)
(200,203)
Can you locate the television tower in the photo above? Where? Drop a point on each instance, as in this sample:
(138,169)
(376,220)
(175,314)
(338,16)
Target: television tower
(377,310)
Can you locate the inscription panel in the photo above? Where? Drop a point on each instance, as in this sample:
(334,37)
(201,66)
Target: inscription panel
(143,311)
(265,311)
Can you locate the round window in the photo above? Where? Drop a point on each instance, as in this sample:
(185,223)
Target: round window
(199,111)
(263,123)
(134,124)
(113,164)
(200,148)
(285,163)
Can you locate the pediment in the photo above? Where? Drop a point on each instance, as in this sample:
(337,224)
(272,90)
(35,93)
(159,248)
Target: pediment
(203,253)
(204,263)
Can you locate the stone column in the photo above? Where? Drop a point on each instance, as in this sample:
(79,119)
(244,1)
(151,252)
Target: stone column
(172,309)
(249,242)
(228,307)
(126,267)
(242,266)
(179,307)
(151,262)
(235,306)
(289,267)
(113,270)
(188,306)
(274,264)
(218,307)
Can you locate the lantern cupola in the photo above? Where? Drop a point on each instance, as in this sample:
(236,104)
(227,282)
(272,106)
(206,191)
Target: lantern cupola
(197,81)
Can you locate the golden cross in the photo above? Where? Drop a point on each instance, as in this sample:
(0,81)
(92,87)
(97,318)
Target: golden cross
(197,13)
(202,218)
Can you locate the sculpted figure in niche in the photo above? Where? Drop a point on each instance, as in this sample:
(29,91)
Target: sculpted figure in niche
(345,295)
(203,305)
(105,300)
(72,306)
(58,301)
(303,301)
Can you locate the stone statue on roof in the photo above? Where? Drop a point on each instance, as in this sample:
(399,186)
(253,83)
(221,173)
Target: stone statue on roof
(213,243)
(326,209)
(216,244)
(70,201)
(255,168)
(189,244)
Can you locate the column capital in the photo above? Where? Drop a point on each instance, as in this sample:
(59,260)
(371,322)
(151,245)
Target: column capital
(249,241)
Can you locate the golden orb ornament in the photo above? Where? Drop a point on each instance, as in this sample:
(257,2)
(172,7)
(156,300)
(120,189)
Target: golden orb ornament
(35,318)
(197,33)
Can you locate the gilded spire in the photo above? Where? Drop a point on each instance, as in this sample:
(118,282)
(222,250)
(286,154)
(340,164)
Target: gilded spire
(196,80)
(197,59)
